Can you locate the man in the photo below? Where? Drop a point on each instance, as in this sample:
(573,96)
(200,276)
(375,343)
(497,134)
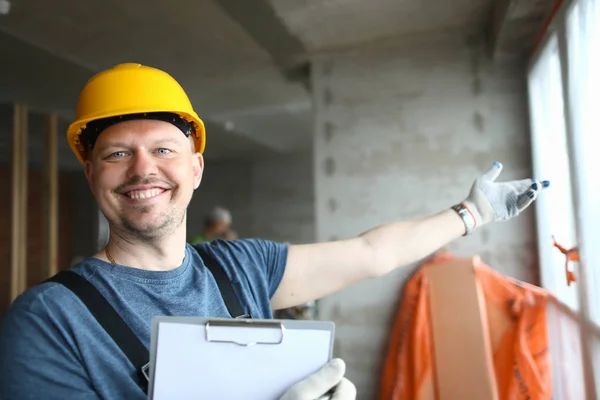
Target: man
(217,225)
(141,144)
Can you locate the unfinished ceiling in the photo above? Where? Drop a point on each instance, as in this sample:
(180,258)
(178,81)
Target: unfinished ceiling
(56,46)
(244,64)
(323,25)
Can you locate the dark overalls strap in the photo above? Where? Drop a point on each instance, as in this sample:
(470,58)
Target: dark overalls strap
(110,320)
(224,283)
(118,329)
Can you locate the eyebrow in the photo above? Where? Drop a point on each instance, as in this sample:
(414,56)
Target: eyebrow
(174,141)
(109,145)
(123,144)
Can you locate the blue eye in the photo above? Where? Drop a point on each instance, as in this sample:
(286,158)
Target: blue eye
(117,154)
(163,151)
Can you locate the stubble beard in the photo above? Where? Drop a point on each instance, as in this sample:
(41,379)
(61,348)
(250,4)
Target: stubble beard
(169,222)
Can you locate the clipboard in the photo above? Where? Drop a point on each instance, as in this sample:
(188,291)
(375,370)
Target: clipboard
(221,358)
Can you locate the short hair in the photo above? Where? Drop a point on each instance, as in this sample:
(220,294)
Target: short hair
(218,214)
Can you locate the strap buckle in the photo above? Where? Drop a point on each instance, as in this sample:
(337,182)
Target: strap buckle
(145,370)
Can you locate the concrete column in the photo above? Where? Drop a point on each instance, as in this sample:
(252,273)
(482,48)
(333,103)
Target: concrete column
(401,132)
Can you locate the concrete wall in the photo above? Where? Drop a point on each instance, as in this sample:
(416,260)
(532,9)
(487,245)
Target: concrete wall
(271,198)
(402,130)
(283,198)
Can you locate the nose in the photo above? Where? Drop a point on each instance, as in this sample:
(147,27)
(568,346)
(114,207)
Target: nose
(142,164)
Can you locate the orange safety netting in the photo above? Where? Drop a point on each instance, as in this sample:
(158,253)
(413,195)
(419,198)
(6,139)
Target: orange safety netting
(518,331)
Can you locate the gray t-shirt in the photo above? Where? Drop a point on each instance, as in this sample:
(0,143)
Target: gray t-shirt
(51,347)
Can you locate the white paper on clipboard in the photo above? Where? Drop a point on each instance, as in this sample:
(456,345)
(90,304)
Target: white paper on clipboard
(215,358)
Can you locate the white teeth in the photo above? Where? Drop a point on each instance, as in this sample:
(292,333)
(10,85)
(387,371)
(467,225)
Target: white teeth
(144,194)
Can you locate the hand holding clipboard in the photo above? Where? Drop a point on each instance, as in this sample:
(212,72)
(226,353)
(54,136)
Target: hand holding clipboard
(328,383)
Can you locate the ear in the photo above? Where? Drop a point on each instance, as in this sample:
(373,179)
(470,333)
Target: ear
(198,167)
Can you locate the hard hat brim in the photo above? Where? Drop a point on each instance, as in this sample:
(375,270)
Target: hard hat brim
(74,130)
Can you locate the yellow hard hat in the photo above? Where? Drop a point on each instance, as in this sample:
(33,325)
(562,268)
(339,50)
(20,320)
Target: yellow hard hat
(128,89)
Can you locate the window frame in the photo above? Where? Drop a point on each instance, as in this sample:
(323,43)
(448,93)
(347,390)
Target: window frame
(590,331)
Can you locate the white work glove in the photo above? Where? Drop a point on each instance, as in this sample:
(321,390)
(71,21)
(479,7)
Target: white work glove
(491,201)
(317,385)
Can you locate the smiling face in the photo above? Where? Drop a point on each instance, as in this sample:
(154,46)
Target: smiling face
(143,174)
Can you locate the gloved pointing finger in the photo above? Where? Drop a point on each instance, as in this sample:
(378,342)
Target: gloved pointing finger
(525,199)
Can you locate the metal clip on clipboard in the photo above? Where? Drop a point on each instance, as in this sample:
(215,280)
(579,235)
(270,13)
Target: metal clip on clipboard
(243,323)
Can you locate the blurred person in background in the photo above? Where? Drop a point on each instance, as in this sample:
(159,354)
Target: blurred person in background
(217,225)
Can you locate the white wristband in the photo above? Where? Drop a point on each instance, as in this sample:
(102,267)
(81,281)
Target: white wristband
(467,217)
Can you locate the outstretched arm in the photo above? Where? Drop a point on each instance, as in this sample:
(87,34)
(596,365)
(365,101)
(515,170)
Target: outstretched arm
(317,270)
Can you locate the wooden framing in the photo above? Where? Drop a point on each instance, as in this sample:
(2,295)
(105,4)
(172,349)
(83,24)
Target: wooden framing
(18,281)
(50,198)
